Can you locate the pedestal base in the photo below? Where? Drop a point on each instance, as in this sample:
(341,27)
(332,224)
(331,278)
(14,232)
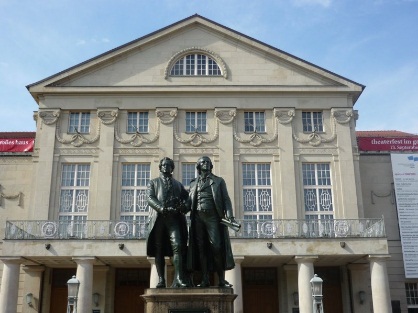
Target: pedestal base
(189,300)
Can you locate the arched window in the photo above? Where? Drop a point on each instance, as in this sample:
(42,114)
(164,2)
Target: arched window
(195,62)
(195,65)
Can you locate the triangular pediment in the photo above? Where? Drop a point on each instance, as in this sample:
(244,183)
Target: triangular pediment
(144,63)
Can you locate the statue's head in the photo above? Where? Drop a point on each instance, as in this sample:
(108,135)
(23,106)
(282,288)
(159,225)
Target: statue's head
(166,162)
(202,162)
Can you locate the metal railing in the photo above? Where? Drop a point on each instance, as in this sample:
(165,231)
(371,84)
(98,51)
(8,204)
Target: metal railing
(105,230)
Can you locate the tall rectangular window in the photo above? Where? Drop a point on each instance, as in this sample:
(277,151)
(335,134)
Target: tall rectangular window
(312,122)
(196,122)
(74,199)
(79,122)
(257,199)
(317,191)
(412,294)
(188,172)
(254,122)
(134,208)
(137,122)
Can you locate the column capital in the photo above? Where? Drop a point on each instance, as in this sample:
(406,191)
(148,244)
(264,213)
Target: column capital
(84,259)
(379,257)
(306,258)
(12,260)
(239,258)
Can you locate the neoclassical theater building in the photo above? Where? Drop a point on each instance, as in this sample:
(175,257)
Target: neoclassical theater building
(279,130)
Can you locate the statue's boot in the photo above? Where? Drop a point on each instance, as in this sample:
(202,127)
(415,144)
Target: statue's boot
(205,280)
(160,265)
(178,272)
(222,281)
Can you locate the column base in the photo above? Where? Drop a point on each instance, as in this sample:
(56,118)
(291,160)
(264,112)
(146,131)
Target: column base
(194,300)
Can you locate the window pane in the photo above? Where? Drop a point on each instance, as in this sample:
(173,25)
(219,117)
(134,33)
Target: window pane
(201,122)
(317,189)
(248,122)
(195,64)
(257,194)
(190,62)
(188,172)
(134,201)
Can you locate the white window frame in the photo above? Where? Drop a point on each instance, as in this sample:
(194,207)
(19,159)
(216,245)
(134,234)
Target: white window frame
(79,122)
(134,208)
(74,198)
(200,121)
(196,64)
(188,172)
(313,121)
(317,191)
(137,122)
(411,290)
(254,121)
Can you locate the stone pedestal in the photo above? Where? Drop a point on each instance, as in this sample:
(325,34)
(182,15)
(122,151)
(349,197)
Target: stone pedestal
(191,300)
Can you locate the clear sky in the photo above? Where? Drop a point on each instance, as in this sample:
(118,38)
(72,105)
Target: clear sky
(372,42)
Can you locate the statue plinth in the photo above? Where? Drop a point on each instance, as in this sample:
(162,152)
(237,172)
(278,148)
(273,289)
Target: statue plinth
(190,300)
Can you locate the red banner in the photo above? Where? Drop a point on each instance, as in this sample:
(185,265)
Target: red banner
(16,144)
(388,144)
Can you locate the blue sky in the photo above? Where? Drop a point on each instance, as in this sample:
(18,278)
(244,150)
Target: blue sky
(373,42)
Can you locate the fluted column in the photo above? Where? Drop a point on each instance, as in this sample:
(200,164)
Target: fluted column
(234,277)
(380,284)
(85,276)
(153,281)
(9,284)
(305,274)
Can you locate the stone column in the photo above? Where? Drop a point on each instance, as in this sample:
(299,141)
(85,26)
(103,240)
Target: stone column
(33,282)
(9,284)
(305,274)
(234,277)
(380,284)
(85,276)
(153,281)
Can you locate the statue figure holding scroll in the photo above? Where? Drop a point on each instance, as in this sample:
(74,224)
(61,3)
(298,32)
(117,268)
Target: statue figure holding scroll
(167,234)
(211,209)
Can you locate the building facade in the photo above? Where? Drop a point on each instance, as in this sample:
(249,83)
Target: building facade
(279,130)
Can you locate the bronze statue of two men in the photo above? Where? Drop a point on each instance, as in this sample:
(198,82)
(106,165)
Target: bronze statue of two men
(209,246)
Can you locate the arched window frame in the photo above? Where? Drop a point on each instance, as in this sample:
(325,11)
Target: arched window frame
(194,50)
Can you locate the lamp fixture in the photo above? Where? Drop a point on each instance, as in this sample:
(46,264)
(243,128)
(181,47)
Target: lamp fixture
(269,245)
(73,286)
(96,298)
(342,244)
(362,296)
(47,246)
(121,246)
(29,298)
(295,296)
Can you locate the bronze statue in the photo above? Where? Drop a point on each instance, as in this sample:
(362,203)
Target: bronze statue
(167,234)
(209,243)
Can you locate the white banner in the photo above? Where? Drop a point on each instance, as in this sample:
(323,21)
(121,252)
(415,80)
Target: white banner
(405,177)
